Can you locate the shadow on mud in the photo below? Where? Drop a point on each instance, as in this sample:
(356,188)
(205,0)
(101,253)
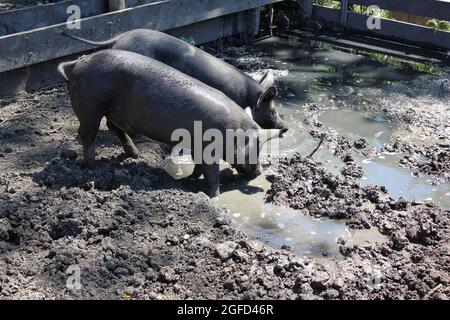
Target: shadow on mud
(111,173)
(108,174)
(229,181)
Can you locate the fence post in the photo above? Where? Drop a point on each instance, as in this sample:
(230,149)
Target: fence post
(306,8)
(256,20)
(344,12)
(115,5)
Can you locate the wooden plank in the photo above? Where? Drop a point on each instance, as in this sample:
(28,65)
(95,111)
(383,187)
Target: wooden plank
(213,29)
(438,9)
(26,48)
(255,20)
(135,3)
(326,14)
(399,31)
(45,15)
(53,13)
(44,74)
(402,31)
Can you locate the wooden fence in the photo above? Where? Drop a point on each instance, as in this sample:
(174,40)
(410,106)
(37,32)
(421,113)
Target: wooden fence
(389,29)
(32,36)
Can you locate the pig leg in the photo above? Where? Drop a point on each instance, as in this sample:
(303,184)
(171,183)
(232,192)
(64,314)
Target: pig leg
(127,143)
(212,178)
(88,132)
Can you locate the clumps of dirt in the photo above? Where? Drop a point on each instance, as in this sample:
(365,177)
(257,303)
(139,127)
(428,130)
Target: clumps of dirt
(433,160)
(421,109)
(152,244)
(437,162)
(412,264)
(242,55)
(338,144)
(244,59)
(415,272)
(304,184)
(351,169)
(109,174)
(160,244)
(128,229)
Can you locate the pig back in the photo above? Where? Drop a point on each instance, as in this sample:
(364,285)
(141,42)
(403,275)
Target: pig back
(154,99)
(194,62)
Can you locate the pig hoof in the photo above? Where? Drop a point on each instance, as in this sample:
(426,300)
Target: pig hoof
(132,152)
(214,194)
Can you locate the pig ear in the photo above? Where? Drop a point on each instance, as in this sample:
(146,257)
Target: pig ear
(265,135)
(248,110)
(267,80)
(270,94)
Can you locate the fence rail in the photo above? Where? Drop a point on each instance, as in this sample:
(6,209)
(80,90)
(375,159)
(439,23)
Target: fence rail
(53,13)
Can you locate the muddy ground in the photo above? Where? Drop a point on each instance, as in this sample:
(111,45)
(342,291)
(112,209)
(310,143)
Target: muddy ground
(6,5)
(415,260)
(132,230)
(135,233)
(420,107)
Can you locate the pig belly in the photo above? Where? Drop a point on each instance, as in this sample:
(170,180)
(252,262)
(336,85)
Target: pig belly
(135,120)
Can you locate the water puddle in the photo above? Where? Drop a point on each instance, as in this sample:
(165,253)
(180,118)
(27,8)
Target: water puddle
(280,226)
(355,125)
(319,74)
(400,182)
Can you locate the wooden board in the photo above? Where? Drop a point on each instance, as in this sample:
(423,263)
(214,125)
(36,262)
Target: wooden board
(426,8)
(399,31)
(402,31)
(53,13)
(44,74)
(45,15)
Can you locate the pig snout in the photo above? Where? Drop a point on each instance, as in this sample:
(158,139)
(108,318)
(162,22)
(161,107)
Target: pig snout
(281,125)
(268,118)
(274,123)
(249,171)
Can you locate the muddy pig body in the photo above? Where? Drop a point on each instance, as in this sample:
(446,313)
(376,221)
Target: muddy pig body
(139,94)
(237,85)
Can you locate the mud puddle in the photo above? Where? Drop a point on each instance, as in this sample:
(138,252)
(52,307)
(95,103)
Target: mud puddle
(284,227)
(280,226)
(317,75)
(400,182)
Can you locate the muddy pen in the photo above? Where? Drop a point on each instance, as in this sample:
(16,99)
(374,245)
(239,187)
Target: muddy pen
(224,150)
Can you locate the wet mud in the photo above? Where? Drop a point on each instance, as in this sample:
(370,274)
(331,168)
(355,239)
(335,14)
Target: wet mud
(133,232)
